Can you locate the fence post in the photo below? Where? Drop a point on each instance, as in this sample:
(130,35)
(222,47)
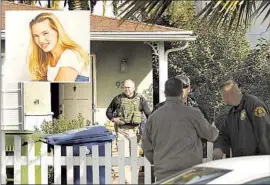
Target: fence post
(95,168)
(17,160)
(147,171)
(108,163)
(83,173)
(133,160)
(121,161)
(3,176)
(43,163)
(30,163)
(57,164)
(69,165)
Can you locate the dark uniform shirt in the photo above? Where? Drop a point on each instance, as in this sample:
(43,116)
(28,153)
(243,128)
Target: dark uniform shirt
(247,129)
(191,103)
(116,102)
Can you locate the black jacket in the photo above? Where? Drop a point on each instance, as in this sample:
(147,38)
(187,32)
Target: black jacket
(247,129)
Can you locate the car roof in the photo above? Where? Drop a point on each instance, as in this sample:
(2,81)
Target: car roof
(243,169)
(239,162)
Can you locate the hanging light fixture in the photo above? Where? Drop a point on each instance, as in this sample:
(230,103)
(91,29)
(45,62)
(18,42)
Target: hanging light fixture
(123,66)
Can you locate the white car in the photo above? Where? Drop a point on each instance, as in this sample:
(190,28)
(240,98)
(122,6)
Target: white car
(238,170)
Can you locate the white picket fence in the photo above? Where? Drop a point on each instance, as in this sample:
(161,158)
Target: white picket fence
(69,161)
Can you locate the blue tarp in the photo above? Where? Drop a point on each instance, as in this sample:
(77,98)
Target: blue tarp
(95,135)
(80,136)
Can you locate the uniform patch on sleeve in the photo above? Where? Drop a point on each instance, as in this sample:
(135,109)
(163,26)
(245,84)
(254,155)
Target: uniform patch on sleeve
(259,111)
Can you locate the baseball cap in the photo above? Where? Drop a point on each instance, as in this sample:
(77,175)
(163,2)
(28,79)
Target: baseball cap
(185,80)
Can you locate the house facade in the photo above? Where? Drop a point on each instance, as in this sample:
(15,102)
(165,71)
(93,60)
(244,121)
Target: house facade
(118,52)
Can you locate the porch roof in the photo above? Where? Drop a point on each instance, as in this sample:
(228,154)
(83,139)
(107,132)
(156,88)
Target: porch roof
(108,29)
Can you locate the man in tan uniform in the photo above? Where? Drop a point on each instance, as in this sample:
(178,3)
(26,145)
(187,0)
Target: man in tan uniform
(173,133)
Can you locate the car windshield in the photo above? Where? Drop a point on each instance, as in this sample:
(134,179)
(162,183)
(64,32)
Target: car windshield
(197,175)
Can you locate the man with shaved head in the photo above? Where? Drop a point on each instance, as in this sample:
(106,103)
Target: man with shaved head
(247,127)
(126,112)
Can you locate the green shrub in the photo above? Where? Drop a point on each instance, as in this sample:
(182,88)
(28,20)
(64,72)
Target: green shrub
(61,125)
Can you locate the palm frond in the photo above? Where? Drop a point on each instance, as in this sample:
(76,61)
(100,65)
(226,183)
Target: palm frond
(239,12)
(115,7)
(264,7)
(56,4)
(128,10)
(92,4)
(49,4)
(65,3)
(39,2)
(216,13)
(153,8)
(78,5)
(104,2)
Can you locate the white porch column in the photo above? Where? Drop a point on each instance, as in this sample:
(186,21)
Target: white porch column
(163,70)
(159,50)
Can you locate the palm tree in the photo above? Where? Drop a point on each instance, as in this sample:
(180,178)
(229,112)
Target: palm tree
(72,4)
(29,2)
(79,4)
(216,12)
(55,4)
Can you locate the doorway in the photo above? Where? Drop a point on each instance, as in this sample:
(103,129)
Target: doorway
(74,98)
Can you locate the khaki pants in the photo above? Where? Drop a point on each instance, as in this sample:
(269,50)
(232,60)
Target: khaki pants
(125,132)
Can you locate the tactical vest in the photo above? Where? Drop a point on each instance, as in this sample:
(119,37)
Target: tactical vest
(130,110)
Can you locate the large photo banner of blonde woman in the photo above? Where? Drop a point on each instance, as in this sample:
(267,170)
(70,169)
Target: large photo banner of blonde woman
(47,46)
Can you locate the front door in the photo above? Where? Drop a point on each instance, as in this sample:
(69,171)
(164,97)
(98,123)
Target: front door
(75,98)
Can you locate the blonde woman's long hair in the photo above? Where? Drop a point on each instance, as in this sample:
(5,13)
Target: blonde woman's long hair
(38,60)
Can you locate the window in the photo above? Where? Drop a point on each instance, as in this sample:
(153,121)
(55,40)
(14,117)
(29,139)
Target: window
(265,180)
(12,106)
(196,176)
